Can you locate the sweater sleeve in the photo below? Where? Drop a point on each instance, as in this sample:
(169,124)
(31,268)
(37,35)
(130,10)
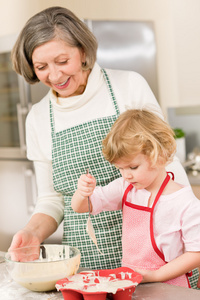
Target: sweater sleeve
(49,202)
(38,141)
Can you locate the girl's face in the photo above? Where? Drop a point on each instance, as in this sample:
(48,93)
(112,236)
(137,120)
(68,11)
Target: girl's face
(59,66)
(139,172)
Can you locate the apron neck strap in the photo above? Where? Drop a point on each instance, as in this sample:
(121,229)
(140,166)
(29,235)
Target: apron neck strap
(111,92)
(128,189)
(165,182)
(172,175)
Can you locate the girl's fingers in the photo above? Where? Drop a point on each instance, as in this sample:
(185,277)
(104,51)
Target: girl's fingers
(86,189)
(87,181)
(86,185)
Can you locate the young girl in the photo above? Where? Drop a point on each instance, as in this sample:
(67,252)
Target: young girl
(161,224)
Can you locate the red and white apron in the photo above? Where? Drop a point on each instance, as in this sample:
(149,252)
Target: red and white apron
(138,242)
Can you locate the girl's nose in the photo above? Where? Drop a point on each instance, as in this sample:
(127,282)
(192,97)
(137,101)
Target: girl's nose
(127,174)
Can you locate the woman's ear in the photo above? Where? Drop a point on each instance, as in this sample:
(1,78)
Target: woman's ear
(83,57)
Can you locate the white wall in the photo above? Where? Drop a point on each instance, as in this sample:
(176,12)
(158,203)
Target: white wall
(14,13)
(177,27)
(186,25)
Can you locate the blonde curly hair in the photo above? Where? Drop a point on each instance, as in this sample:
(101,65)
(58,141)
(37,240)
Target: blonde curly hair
(140,131)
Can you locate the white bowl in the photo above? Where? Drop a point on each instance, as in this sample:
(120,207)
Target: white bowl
(38,268)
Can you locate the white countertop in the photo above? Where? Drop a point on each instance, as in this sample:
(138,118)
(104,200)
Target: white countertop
(9,290)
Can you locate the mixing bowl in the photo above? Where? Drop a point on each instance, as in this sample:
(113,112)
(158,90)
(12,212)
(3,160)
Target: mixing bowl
(38,268)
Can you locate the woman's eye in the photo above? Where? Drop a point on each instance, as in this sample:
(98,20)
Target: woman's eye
(40,68)
(63,62)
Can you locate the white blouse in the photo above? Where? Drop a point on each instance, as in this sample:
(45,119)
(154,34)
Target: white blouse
(176,216)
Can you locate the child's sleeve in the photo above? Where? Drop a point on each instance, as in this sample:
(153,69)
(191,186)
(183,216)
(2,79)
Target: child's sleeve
(191,225)
(109,197)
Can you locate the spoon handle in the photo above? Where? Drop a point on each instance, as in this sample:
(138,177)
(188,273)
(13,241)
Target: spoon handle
(88,197)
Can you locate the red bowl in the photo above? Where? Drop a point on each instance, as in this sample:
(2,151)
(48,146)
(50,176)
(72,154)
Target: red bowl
(121,293)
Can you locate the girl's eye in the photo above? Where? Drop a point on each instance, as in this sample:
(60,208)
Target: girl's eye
(133,168)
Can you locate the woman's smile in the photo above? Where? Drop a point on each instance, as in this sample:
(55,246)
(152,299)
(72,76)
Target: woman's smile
(62,85)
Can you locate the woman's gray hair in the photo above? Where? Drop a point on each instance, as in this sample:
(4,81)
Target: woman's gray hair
(52,23)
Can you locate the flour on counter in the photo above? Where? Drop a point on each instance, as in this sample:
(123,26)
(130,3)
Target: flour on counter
(10,290)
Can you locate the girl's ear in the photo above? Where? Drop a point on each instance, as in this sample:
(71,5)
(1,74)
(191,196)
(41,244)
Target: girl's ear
(161,162)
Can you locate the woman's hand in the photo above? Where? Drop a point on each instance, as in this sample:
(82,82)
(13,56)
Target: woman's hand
(19,248)
(24,238)
(39,228)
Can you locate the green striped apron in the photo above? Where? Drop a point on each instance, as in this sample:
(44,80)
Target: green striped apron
(73,151)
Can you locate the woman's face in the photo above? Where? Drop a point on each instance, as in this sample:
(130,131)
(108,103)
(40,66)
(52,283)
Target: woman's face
(59,66)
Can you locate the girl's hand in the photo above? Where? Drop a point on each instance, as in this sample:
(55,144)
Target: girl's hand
(148,275)
(175,268)
(86,185)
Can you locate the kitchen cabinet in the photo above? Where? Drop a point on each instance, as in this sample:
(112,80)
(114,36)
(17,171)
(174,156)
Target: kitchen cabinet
(17,200)
(14,104)
(9,95)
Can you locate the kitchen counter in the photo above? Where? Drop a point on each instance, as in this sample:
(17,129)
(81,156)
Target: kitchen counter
(9,290)
(164,291)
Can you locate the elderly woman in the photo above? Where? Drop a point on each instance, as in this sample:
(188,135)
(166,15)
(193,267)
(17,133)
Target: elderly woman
(66,128)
